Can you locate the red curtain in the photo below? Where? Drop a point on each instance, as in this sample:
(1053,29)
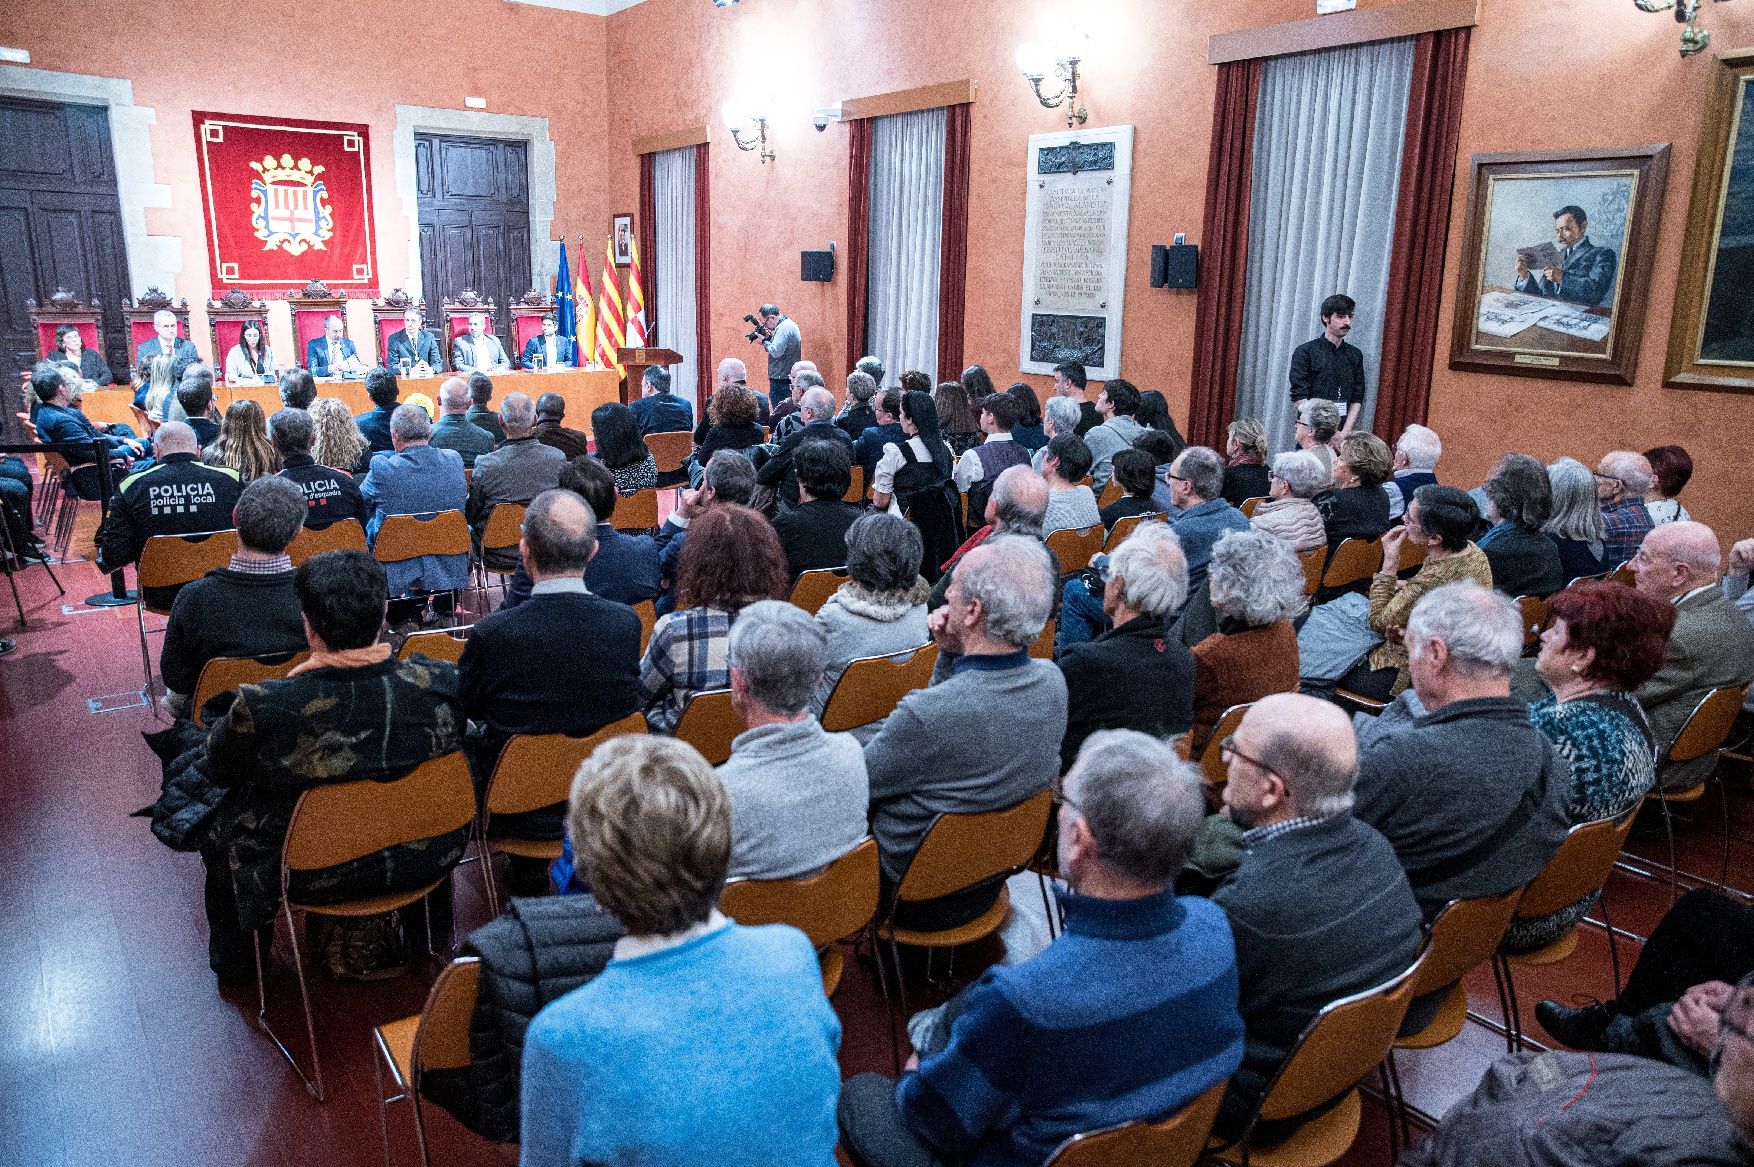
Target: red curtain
(953,261)
(703,273)
(858,235)
(1422,216)
(1224,258)
(645,226)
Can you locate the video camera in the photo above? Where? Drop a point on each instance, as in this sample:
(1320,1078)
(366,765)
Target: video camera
(757,333)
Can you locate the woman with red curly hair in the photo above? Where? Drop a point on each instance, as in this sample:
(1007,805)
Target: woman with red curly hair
(731,559)
(1605,641)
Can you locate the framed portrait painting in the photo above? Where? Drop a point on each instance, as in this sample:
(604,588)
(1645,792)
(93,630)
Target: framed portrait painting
(1711,341)
(1556,257)
(621,230)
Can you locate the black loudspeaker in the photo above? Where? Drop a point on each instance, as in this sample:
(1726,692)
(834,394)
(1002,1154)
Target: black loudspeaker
(1175,266)
(1159,265)
(816,267)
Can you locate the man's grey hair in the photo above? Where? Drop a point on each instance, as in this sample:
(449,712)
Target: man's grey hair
(560,530)
(1577,513)
(1482,628)
(1017,515)
(817,404)
(1064,413)
(454,394)
(1015,584)
(1152,567)
(1142,803)
(1319,780)
(861,386)
(1255,577)
(1631,468)
(872,368)
(481,316)
(808,378)
(1203,468)
(1421,445)
(731,475)
(732,370)
(269,514)
(1320,415)
(884,552)
(163,316)
(292,431)
(175,437)
(410,423)
(517,412)
(332,318)
(658,377)
(1302,472)
(781,651)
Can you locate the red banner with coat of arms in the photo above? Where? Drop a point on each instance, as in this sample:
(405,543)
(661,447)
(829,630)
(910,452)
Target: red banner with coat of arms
(287,201)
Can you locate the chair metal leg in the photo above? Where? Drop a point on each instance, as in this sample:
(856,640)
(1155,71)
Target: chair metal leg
(1723,799)
(383,1100)
(314,1081)
(1613,939)
(1400,1114)
(1394,1108)
(1674,868)
(1047,905)
(419,1120)
(1513,1015)
(1506,1003)
(888,1001)
(486,862)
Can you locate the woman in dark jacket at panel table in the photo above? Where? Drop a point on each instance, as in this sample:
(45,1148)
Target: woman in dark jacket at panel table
(70,351)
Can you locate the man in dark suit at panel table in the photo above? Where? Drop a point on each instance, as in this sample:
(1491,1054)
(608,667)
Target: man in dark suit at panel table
(554,350)
(413,344)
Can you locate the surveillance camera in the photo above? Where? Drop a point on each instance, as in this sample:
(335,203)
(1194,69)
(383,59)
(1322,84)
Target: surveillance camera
(820,121)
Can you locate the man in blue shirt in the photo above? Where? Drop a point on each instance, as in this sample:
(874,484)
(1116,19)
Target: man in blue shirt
(1130,1014)
(1196,487)
(57,421)
(417,478)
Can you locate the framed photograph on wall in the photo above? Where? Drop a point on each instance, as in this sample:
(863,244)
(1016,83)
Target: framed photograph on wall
(621,230)
(1711,339)
(1556,257)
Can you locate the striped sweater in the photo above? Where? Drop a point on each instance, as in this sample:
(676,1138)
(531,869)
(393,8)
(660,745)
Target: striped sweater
(1132,1013)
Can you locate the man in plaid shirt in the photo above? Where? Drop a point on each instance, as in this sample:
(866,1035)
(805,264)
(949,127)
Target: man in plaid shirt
(1622,480)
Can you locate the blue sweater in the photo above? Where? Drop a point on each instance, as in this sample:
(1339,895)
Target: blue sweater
(1132,1013)
(720,1050)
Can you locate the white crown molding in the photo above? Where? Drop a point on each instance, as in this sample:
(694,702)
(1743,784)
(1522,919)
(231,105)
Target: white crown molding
(587,7)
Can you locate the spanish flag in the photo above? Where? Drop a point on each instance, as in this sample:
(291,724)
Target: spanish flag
(609,335)
(586,306)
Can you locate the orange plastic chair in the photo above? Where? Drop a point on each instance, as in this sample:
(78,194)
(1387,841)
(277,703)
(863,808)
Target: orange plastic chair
(1118,533)
(710,724)
(856,487)
(504,531)
(1704,732)
(1535,619)
(1213,767)
(647,611)
(436,1038)
(1075,547)
(636,512)
(169,561)
(1112,493)
(1176,1141)
(342,535)
(1043,648)
(437,643)
(223,674)
(1354,560)
(814,587)
(1312,561)
(872,686)
(829,906)
(1249,504)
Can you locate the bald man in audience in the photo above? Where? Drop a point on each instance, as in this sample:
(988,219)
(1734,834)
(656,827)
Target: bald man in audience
(1319,907)
(1016,506)
(1623,478)
(454,430)
(550,413)
(1712,645)
(178,495)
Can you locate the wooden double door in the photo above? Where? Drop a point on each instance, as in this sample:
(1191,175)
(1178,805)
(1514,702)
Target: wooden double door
(474,202)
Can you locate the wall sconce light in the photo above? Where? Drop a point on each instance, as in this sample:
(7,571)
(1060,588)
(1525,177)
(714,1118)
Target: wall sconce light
(1066,42)
(748,129)
(1693,38)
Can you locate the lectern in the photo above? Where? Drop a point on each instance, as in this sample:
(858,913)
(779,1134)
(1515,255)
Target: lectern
(636,361)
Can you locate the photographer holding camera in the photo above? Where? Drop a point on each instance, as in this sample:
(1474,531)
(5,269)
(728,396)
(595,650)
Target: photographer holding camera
(779,335)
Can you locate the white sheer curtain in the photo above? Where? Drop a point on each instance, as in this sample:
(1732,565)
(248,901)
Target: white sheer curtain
(907,220)
(1328,134)
(673,184)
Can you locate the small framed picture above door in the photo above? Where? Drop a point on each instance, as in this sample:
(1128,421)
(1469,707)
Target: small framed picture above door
(621,231)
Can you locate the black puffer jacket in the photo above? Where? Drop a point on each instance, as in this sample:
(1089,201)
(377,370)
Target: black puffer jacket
(538,951)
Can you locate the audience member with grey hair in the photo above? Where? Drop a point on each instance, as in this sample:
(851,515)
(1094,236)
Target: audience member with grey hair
(1296,478)
(816,413)
(881,609)
(454,430)
(1017,505)
(1318,420)
(1059,415)
(247,608)
(658,410)
(1576,526)
(1134,676)
(520,469)
(330,495)
(1519,501)
(1623,478)
(872,368)
(1166,967)
(417,478)
(1196,488)
(1319,906)
(858,415)
(798,795)
(986,734)
(1472,796)
(1255,583)
(1415,464)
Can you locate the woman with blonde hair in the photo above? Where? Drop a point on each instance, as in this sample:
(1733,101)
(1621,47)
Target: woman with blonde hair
(1245,461)
(339,445)
(161,391)
(243,443)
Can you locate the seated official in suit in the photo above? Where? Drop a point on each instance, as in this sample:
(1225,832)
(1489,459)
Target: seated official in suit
(478,350)
(413,346)
(1134,676)
(1255,585)
(1130,1014)
(566,661)
(454,430)
(416,479)
(247,608)
(165,342)
(798,794)
(177,495)
(1319,907)
(333,354)
(1585,272)
(1471,795)
(625,567)
(70,352)
(1519,501)
(550,350)
(814,533)
(250,361)
(381,387)
(330,495)
(658,410)
(517,472)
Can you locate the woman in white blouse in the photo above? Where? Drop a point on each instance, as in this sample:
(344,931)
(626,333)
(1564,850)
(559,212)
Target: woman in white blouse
(250,361)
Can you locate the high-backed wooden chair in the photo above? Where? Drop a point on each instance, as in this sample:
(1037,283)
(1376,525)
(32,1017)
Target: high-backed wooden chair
(527,312)
(226,318)
(331,825)
(829,906)
(436,1038)
(504,531)
(169,561)
(1075,547)
(455,319)
(670,450)
(411,536)
(1354,560)
(1118,533)
(872,686)
(961,851)
(137,315)
(1704,732)
(387,319)
(223,674)
(535,771)
(1176,1141)
(814,587)
(1337,1050)
(444,644)
(636,512)
(1249,504)
(647,611)
(341,535)
(710,724)
(311,306)
(1312,561)
(1213,767)
(1111,493)
(1534,614)
(63,308)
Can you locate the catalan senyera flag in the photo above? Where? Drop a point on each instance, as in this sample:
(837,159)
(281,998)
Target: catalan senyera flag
(609,334)
(586,311)
(636,301)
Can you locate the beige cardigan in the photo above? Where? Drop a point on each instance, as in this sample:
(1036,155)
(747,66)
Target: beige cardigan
(1391,602)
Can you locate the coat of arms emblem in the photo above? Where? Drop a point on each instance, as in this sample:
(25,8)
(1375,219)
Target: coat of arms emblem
(288,205)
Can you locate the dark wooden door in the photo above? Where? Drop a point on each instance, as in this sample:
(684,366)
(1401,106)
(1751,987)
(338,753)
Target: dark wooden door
(474,221)
(60,227)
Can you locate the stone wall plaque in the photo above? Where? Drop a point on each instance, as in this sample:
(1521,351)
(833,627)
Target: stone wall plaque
(1075,250)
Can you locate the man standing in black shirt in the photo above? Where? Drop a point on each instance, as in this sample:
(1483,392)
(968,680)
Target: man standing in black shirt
(1327,366)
